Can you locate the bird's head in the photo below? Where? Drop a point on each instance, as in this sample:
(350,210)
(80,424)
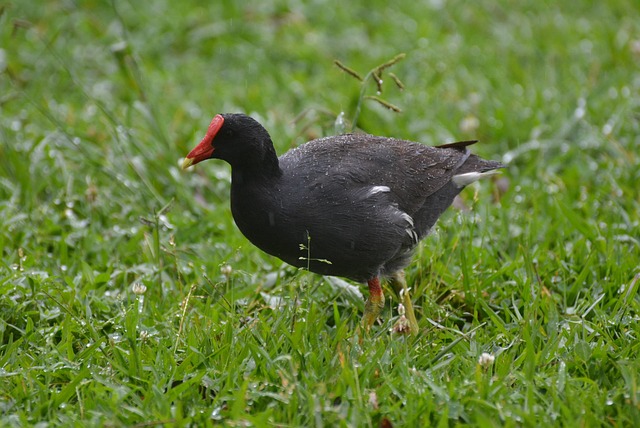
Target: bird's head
(236,138)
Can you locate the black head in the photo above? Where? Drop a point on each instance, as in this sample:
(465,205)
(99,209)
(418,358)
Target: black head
(236,138)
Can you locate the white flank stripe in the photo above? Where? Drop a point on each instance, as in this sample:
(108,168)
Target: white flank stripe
(377,189)
(407,217)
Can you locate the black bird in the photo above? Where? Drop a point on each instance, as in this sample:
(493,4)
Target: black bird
(352,205)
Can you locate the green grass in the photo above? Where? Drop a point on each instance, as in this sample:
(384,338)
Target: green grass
(101,100)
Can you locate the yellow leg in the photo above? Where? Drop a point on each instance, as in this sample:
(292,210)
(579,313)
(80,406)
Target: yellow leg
(400,285)
(374,304)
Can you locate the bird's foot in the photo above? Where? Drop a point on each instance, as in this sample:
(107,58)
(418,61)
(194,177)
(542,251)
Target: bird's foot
(408,318)
(374,304)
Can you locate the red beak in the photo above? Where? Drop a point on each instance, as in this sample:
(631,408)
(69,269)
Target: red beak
(205,148)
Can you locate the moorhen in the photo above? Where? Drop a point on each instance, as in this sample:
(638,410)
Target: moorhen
(352,205)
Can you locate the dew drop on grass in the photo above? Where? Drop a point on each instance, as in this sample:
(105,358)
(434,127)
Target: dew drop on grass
(580,110)
(552,188)
(140,304)
(90,111)
(339,125)
(165,221)
(586,46)
(625,91)
(216,413)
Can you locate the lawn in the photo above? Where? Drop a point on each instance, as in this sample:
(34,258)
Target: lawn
(129,298)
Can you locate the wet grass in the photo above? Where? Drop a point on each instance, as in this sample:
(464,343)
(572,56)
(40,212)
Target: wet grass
(101,100)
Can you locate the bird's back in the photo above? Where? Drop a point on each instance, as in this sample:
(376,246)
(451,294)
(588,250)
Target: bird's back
(366,201)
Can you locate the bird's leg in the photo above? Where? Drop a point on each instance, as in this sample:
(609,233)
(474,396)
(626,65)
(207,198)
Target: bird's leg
(399,284)
(374,304)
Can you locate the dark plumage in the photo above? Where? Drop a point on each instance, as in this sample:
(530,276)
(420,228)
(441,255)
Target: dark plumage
(358,202)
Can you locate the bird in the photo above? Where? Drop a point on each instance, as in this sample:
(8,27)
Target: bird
(353,205)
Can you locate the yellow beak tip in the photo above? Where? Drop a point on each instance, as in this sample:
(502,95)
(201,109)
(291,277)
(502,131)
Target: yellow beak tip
(186,163)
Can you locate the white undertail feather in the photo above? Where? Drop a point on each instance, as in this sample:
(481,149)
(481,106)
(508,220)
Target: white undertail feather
(462,180)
